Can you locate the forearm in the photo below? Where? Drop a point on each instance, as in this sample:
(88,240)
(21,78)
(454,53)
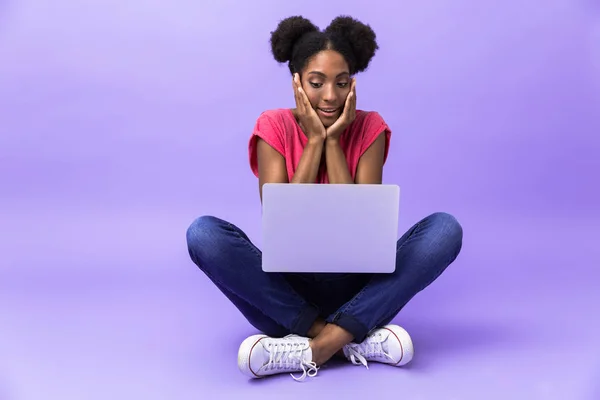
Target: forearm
(308,167)
(337,167)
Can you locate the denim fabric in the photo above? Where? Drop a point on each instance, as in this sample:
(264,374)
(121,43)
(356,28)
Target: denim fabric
(278,304)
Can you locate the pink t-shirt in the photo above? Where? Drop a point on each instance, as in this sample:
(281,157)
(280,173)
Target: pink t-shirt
(280,129)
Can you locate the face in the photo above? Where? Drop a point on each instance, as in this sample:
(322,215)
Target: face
(326,81)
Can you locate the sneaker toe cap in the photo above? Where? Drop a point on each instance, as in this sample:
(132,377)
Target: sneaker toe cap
(251,356)
(400,345)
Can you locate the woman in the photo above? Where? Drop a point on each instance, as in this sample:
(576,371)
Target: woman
(306,319)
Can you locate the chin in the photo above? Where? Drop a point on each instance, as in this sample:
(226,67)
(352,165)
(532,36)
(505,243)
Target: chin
(330,121)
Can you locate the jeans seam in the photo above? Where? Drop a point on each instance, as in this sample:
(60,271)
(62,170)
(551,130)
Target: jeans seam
(297,319)
(416,227)
(247,242)
(434,278)
(212,277)
(358,296)
(305,304)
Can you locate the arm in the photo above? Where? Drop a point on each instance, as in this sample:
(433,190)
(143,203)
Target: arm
(370,165)
(337,168)
(272,169)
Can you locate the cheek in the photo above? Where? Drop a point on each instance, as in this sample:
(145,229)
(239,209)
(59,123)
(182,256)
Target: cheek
(343,92)
(313,98)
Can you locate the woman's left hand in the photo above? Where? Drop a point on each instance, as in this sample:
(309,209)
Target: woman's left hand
(334,131)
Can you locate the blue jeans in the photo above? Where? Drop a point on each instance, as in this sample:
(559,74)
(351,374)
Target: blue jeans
(279,304)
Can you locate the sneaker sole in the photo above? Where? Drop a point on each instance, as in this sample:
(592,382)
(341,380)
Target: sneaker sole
(406,344)
(244,355)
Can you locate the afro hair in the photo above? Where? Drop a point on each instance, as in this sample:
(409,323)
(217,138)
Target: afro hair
(296,40)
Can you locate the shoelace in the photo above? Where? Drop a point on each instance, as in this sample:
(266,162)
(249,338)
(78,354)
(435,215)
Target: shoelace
(368,349)
(285,355)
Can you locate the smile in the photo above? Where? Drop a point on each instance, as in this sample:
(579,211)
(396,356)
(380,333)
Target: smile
(328,111)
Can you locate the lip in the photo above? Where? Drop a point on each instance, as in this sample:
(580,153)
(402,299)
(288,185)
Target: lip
(328,113)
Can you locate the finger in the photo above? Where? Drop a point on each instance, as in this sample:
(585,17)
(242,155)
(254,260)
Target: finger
(301,95)
(305,100)
(301,101)
(349,109)
(348,104)
(295,93)
(298,95)
(295,89)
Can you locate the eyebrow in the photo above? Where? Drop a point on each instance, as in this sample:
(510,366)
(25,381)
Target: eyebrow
(325,76)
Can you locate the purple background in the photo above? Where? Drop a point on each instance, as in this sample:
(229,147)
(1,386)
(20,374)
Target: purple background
(120,121)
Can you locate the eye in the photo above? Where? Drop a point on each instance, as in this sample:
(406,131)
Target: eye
(316,85)
(343,84)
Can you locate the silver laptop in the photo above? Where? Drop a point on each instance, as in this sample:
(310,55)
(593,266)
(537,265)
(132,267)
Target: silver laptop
(331,228)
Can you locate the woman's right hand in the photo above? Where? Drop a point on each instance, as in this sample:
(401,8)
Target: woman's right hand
(308,119)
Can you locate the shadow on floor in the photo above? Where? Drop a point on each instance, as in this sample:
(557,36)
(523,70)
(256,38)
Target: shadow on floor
(436,341)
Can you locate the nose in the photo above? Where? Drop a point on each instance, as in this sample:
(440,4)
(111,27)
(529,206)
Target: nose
(329,94)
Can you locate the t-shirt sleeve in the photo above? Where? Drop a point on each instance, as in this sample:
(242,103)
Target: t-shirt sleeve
(268,130)
(374,125)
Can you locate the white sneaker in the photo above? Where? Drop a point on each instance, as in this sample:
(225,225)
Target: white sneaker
(260,356)
(390,344)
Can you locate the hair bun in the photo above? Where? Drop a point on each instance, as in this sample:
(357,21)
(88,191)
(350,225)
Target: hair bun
(360,36)
(287,34)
